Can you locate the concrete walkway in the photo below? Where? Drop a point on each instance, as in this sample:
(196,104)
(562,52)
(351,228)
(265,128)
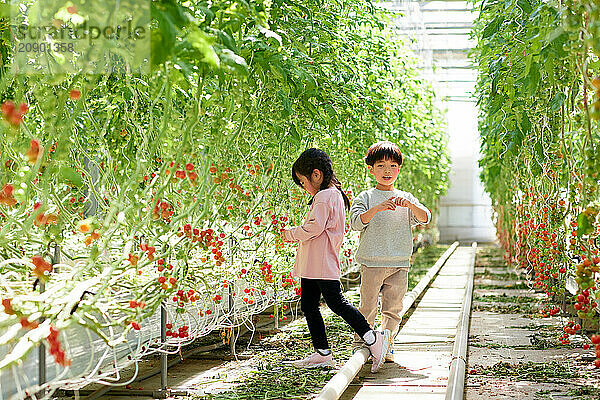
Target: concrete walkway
(423,347)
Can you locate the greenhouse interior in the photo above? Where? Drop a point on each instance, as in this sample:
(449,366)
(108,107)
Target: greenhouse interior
(300,199)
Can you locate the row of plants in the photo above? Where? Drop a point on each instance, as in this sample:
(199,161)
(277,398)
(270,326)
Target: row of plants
(539,99)
(171,185)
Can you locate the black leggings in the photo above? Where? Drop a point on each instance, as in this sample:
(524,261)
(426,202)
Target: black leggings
(311,291)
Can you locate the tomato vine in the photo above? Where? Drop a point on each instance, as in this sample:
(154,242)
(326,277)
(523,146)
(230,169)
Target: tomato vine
(539,98)
(170,186)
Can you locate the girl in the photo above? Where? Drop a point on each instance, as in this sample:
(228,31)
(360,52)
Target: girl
(317,260)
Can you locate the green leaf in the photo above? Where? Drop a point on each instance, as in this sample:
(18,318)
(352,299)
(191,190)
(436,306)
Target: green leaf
(227,40)
(186,68)
(233,62)
(516,141)
(170,17)
(294,135)
(556,34)
(525,6)
(201,42)
(493,26)
(533,78)
(525,123)
(332,116)
(525,72)
(494,89)
(536,169)
(278,72)
(557,101)
(330,110)
(70,175)
(271,35)
(287,105)
(496,104)
(494,172)
(535,15)
(307,79)
(209,15)
(540,156)
(583,225)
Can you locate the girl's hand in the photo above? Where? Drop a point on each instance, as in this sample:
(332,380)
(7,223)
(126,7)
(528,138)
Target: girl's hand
(388,204)
(282,236)
(402,202)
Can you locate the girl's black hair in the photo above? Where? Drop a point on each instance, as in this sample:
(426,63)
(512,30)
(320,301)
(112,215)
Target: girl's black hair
(312,159)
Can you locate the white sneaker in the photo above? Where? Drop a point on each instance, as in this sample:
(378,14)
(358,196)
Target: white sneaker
(379,349)
(315,360)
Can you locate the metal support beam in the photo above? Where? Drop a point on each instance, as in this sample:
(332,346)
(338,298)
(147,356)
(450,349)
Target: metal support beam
(163,339)
(42,351)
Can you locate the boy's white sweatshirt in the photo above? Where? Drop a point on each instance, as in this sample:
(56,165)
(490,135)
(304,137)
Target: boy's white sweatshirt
(386,240)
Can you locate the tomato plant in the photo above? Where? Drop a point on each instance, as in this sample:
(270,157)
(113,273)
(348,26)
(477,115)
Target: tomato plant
(173,186)
(538,91)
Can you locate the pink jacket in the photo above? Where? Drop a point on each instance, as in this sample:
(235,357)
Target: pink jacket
(320,237)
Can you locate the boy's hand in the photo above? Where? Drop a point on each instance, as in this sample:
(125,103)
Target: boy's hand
(388,204)
(402,202)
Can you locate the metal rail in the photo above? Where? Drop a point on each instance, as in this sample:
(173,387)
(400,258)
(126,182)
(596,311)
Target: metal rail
(456,379)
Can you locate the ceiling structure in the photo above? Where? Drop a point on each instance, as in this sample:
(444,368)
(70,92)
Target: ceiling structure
(441,39)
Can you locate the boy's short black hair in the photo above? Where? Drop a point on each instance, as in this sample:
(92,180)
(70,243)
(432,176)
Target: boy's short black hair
(383,150)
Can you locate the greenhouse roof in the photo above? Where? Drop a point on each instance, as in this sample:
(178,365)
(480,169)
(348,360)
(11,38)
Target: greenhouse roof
(442,40)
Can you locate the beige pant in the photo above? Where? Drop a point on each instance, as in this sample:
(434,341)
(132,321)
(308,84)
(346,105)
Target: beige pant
(392,283)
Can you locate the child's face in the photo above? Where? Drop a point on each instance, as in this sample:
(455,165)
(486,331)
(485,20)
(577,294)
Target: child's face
(385,171)
(313,184)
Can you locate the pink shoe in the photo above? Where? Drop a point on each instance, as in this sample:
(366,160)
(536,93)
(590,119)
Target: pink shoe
(379,349)
(315,360)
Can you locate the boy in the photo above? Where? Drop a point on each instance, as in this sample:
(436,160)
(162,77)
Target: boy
(384,216)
